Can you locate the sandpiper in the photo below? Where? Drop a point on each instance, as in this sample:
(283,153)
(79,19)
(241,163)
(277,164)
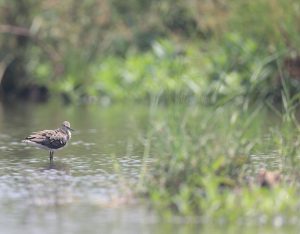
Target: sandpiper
(51,140)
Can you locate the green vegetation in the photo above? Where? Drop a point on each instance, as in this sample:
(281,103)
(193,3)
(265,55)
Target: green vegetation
(218,62)
(208,51)
(208,162)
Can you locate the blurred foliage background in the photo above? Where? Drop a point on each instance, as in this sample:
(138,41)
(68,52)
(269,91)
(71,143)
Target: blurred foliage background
(208,51)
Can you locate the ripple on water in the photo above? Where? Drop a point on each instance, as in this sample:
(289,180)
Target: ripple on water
(59,183)
(83,174)
(272,159)
(93,131)
(3,147)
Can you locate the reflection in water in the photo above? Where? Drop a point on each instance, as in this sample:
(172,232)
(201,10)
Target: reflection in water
(59,166)
(81,191)
(76,192)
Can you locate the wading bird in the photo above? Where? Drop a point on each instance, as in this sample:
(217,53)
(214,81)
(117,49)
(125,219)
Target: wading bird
(51,140)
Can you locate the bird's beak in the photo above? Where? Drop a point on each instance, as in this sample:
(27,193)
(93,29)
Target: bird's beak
(71,129)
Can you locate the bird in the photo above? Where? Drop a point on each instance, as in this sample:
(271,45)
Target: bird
(268,179)
(51,140)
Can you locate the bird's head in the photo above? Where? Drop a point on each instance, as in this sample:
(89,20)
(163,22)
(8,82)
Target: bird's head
(66,126)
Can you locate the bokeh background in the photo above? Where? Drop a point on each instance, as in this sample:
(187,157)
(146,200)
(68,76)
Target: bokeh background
(186,115)
(207,51)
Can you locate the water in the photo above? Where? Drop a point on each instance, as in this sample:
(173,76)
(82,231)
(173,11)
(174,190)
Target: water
(88,188)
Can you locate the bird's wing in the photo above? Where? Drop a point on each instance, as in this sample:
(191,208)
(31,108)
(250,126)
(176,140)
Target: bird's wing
(50,138)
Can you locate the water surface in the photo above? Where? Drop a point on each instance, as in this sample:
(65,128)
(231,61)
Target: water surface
(88,188)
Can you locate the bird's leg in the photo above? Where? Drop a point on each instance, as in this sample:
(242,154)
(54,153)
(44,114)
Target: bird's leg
(51,156)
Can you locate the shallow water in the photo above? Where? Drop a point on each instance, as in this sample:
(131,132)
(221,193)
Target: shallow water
(87,189)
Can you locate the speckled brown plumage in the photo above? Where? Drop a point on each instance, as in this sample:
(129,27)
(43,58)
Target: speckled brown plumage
(50,139)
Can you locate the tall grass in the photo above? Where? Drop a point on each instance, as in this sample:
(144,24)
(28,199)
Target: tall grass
(207,162)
